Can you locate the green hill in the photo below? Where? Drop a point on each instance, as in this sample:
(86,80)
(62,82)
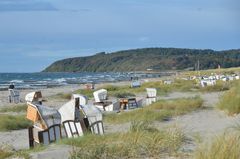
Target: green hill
(148,58)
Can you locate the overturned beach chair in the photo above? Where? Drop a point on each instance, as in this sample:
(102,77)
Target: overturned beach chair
(151,95)
(101,102)
(47,124)
(92,115)
(14,96)
(94,118)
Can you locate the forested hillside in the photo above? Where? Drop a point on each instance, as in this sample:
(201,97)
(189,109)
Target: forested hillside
(148,58)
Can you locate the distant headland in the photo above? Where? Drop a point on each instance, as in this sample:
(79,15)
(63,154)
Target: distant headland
(151,59)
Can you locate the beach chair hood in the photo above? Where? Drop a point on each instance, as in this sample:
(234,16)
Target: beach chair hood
(44,115)
(83,100)
(69,111)
(34,97)
(50,115)
(93,113)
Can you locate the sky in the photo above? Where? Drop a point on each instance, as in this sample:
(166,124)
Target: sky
(35,33)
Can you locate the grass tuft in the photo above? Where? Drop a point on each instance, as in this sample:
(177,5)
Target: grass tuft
(226,146)
(230,101)
(10,122)
(5,153)
(15,108)
(143,143)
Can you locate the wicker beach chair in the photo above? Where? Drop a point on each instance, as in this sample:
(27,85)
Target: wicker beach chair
(14,96)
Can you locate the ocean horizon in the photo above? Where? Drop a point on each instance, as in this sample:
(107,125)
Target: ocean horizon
(50,79)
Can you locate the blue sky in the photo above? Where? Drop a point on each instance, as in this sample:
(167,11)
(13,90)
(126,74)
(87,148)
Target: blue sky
(35,33)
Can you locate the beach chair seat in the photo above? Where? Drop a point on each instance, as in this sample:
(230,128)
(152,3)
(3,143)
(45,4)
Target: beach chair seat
(38,135)
(73,128)
(132,103)
(97,128)
(14,96)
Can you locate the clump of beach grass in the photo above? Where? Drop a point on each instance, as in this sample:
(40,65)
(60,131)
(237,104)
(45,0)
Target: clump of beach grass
(159,111)
(140,142)
(63,96)
(10,122)
(8,152)
(226,146)
(86,92)
(123,94)
(4,153)
(15,108)
(230,101)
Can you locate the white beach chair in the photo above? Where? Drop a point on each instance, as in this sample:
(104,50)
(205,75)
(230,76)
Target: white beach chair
(14,96)
(100,95)
(101,102)
(151,95)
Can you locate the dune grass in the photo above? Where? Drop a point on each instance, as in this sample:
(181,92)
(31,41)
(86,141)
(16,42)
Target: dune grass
(230,101)
(179,85)
(66,96)
(210,71)
(10,122)
(5,153)
(226,146)
(159,111)
(15,108)
(141,141)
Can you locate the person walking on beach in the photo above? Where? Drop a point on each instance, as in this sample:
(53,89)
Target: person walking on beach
(14,95)
(11,86)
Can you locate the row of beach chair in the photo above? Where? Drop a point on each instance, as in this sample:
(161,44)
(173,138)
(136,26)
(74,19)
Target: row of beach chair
(73,119)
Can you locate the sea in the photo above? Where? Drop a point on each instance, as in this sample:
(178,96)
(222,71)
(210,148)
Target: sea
(49,80)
